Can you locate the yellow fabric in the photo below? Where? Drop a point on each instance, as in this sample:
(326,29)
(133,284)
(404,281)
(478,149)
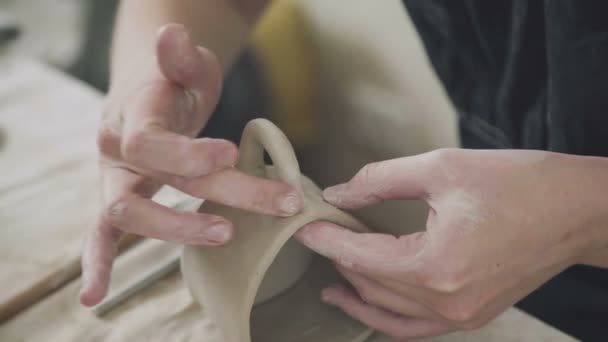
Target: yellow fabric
(289,60)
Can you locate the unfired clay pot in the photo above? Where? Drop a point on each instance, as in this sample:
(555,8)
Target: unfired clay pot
(264,266)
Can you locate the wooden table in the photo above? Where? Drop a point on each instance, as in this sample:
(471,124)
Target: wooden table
(48,188)
(48,193)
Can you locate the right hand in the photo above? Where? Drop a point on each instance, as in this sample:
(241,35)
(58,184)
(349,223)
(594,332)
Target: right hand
(146,139)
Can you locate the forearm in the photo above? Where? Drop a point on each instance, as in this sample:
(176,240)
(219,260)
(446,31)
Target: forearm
(592,179)
(219,25)
(572,191)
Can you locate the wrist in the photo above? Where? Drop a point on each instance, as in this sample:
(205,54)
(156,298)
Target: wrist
(571,198)
(589,194)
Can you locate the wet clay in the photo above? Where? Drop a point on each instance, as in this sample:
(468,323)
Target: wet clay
(264,286)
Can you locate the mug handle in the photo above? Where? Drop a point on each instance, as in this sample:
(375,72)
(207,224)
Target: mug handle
(262,135)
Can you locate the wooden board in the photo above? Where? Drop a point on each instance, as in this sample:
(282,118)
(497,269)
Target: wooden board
(48,188)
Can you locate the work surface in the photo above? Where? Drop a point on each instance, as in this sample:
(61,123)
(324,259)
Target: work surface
(47,197)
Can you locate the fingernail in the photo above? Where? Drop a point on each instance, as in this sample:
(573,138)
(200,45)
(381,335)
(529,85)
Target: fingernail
(333,193)
(182,35)
(161,30)
(88,298)
(218,233)
(328,294)
(327,297)
(172,26)
(290,204)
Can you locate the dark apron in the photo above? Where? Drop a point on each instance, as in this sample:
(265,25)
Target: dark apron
(530,75)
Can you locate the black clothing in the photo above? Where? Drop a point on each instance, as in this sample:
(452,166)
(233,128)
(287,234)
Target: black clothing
(530,75)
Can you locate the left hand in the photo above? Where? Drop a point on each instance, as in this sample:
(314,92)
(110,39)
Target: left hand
(500,224)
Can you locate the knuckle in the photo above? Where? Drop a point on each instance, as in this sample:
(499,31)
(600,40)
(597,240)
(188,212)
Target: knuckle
(459,312)
(116,211)
(447,283)
(347,261)
(214,71)
(190,165)
(105,138)
(372,178)
(447,164)
(367,294)
(133,146)
(443,155)
(187,104)
(370,171)
(261,201)
(179,229)
(446,273)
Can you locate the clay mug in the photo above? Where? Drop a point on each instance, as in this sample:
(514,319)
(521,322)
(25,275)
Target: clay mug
(264,286)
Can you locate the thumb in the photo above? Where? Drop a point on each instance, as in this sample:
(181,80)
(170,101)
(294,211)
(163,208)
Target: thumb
(366,253)
(194,68)
(401,178)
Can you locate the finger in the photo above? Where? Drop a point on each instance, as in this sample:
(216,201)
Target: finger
(193,68)
(397,326)
(98,255)
(374,293)
(155,135)
(402,178)
(138,215)
(160,119)
(365,253)
(101,242)
(229,187)
(234,188)
(152,138)
(158,149)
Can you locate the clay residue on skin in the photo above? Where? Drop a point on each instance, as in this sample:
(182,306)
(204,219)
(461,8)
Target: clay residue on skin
(117,210)
(466,208)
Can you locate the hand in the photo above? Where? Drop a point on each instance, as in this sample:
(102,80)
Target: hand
(500,224)
(146,140)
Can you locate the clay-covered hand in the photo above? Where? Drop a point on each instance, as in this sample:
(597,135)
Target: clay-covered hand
(500,224)
(146,139)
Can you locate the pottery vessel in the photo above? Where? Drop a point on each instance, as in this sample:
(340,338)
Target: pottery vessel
(264,286)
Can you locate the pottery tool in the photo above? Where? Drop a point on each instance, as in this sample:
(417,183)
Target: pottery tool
(149,278)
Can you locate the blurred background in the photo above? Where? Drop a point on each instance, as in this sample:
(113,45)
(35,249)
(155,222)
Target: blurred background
(323,73)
